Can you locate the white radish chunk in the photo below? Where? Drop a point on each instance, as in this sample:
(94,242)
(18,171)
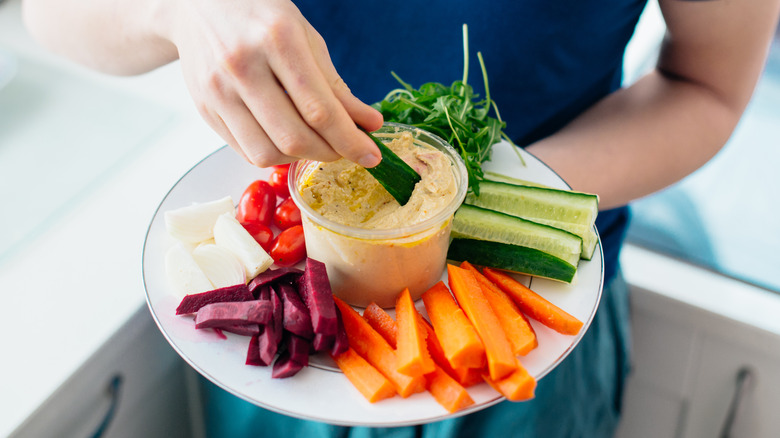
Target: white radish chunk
(183,271)
(231,235)
(195,223)
(220,265)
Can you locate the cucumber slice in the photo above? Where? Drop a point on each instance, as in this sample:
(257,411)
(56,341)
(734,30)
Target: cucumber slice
(397,177)
(514,258)
(472,222)
(572,211)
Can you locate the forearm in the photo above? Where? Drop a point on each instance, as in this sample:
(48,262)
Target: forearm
(113,36)
(655,132)
(639,139)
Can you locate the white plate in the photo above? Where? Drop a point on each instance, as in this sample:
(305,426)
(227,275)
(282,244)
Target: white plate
(318,392)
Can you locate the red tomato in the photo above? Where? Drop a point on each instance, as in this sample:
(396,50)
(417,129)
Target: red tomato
(289,247)
(281,166)
(257,203)
(262,234)
(287,214)
(278,180)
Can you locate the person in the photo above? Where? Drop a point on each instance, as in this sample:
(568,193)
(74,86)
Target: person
(281,81)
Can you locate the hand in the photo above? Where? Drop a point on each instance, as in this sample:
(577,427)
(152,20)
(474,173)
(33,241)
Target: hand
(262,78)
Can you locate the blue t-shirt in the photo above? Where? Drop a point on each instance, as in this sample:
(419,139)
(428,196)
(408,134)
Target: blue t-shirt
(547,61)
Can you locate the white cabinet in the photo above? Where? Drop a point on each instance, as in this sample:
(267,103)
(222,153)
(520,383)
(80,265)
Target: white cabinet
(686,366)
(151,398)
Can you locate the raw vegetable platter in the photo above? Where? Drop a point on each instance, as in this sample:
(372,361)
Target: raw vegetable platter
(320,391)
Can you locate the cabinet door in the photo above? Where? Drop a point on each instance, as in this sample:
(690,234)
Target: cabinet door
(150,400)
(715,385)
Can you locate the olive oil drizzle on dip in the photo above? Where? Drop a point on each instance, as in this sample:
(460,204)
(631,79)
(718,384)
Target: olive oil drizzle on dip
(346,193)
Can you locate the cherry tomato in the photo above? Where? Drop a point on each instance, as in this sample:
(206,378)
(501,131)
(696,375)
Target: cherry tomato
(289,247)
(262,234)
(287,214)
(278,180)
(257,203)
(281,166)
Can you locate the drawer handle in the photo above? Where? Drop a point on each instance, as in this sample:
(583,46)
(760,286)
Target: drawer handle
(745,377)
(113,389)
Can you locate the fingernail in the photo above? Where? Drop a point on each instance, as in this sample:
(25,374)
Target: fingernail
(369,160)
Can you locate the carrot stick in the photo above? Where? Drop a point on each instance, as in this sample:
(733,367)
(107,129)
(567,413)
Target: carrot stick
(411,352)
(517,386)
(373,347)
(534,305)
(383,323)
(501,360)
(367,379)
(465,376)
(447,391)
(458,337)
(516,326)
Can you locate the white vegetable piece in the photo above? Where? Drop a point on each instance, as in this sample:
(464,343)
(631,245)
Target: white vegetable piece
(195,223)
(183,271)
(220,265)
(231,235)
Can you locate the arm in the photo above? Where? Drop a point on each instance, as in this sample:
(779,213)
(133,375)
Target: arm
(655,132)
(259,74)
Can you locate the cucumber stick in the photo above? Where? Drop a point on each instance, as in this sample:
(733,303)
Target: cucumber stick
(477,223)
(511,258)
(571,211)
(393,173)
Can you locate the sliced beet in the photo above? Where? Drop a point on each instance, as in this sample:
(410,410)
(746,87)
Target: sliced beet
(233,313)
(193,302)
(314,288)
(295,314)
(340,342)
(298,348)
(285,367)
(264,292)
(243,329)
(278,319)
(271,334)
(266,345)
(253,353)
(322,342)
(270,276)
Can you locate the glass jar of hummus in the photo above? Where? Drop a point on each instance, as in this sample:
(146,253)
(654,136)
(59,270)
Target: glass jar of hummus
(372,246)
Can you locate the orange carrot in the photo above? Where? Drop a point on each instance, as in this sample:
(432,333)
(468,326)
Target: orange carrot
(367,379)
(465,376)
(501,360)
(383,323)
(411,352)
(517,386)
(516,326)
(534,305)
(447,391)
(458,337)
(373,347)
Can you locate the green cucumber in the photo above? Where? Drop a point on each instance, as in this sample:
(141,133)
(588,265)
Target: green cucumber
(514,258)
(393,173)
(472,222)
(572,211)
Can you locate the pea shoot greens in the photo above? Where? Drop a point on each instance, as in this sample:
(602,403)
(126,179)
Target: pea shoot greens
(454,113)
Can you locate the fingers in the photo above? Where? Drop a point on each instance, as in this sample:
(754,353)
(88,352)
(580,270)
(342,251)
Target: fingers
(311,93)
(364,115)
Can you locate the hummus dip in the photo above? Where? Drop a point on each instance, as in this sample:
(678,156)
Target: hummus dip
(372,246)
(346,193)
